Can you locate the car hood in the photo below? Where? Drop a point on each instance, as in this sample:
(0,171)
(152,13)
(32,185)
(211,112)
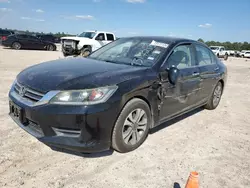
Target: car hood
(76,73)
(75,38)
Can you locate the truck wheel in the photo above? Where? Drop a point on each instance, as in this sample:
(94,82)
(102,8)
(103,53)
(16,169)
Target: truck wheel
(85,52)
(225,57)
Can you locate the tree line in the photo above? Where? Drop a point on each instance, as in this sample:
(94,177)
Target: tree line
(237,46)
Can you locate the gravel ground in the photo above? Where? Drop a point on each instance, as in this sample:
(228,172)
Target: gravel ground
(214,143)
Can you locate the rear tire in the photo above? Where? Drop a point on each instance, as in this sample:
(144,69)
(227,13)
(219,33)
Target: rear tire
(215,98)
(16,46)
(225,57)
(132,126)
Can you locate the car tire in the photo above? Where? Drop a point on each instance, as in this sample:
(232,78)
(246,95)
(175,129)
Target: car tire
(50,47)
(123,142)
(16,46)
(85,52)
(215,98)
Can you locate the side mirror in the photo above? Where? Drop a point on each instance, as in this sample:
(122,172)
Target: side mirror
(173,74)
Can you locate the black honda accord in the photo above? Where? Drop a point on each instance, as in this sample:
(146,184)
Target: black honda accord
(111,99)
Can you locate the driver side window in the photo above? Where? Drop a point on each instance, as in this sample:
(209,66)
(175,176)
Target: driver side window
(100,37)
(181,57)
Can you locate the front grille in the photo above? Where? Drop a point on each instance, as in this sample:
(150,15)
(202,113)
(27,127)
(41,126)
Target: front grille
(27,93)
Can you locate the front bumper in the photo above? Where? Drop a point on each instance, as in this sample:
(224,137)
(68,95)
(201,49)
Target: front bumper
(85,129)
(70,49)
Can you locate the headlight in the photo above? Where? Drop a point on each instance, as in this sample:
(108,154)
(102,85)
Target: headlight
(84,97)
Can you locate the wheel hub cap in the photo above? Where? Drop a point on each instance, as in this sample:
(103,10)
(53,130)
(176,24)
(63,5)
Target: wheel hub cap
(134,127)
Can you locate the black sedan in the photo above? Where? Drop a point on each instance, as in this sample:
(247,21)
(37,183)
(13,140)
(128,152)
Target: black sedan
(112,98)
(25,41)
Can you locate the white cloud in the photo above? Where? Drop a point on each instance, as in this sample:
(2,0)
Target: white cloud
(25,18)
(39,20)
(206,25)
(84,17)
(4,1)
(5,9)
(136,1)
(78,17)
(39,11)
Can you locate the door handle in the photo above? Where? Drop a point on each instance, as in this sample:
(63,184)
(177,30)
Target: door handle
(217,68)
(196,74)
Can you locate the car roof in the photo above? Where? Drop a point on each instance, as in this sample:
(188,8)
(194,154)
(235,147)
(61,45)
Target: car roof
(167,40)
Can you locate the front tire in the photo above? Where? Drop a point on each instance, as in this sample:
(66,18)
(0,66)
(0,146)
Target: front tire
(132,126)
(214,100)
(85,52)
(50,47)
(16,46)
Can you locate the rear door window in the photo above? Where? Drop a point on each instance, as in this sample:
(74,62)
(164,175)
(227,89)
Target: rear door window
(110,37)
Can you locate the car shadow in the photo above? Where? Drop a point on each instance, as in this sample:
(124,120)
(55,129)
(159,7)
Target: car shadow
(8,48)
(85,155)
(175,120)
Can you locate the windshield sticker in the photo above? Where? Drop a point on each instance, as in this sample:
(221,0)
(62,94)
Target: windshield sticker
(160,44)
(151,58)
(156,52)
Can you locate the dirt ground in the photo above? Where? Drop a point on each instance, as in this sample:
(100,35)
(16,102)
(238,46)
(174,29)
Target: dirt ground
(214,143)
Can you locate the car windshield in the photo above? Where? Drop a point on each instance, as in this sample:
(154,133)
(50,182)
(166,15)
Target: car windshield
(214,48)
(132,51)
(87,34)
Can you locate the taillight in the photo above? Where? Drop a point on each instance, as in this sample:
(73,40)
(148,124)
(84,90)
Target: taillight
(4,38)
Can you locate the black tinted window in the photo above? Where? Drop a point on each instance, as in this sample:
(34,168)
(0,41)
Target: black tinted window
(4,32)
(203,55)
(22,36)
(181,57)
(32,37)
(110,37)
(100,36)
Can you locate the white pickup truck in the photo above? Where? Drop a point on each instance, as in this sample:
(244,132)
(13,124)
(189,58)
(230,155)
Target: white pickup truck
(220,51)
(86,42)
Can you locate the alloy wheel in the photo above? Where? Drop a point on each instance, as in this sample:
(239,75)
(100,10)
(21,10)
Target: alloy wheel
(16,45)
(217,95)
(134,127)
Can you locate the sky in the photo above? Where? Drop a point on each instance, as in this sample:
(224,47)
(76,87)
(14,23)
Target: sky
(219,20)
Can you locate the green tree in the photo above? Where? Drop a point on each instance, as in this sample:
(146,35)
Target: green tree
(201,40)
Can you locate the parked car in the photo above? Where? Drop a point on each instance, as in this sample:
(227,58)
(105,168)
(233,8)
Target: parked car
(86,42)
(247,54)
(25,41)
(114,96)
(244,53)
(220,52)
(48,37)
(4,34)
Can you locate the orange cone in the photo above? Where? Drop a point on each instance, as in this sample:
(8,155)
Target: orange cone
(193,180)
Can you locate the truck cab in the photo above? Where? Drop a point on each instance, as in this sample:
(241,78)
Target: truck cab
(86,42)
